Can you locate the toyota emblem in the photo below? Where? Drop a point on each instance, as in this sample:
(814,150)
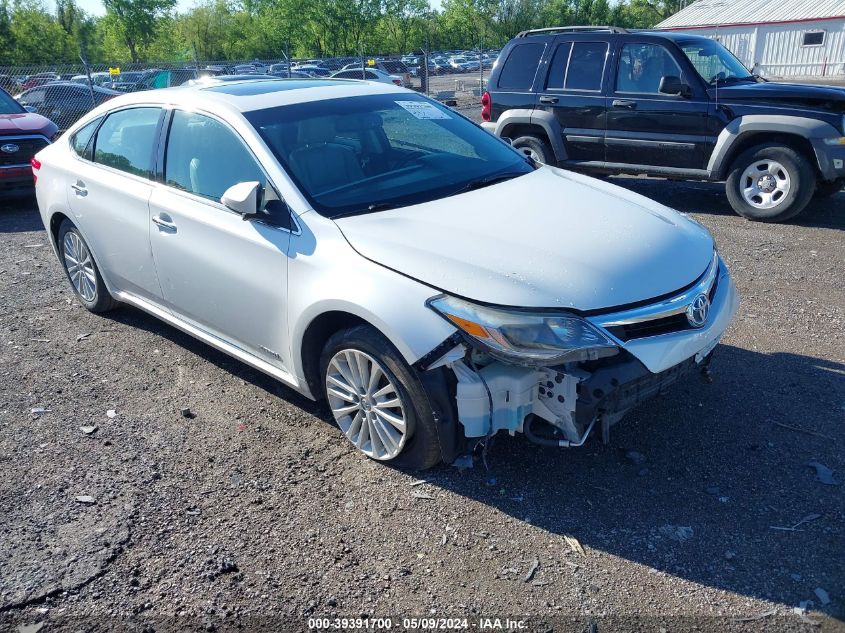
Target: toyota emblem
(697,311)
(9,148)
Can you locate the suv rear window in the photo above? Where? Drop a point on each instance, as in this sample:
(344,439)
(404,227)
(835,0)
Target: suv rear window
(521,66)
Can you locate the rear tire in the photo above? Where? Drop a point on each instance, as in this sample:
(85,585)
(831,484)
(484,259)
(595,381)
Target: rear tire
(828,188)
(770,183)
(536,148)
(82,270)
(368,411)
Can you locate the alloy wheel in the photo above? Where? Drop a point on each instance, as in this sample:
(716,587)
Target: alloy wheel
(80,266)
(765,184)
(366,404)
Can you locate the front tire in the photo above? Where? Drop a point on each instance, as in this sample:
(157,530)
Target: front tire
(536,148)
(770,183)
(82,270)
(375,399)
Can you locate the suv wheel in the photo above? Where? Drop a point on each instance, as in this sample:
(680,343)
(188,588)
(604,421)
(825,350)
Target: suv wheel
(82,271)
(770,183)
(537,148)
(828,188)
(376,400)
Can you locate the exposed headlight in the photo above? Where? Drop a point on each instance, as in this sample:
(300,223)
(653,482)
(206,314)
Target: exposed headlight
(527,338)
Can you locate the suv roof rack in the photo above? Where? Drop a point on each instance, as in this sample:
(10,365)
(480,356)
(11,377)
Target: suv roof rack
(571,29)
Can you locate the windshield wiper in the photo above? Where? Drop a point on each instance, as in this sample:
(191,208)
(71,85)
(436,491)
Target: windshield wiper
(487,181)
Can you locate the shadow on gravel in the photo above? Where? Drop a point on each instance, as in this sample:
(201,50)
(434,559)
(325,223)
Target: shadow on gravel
(19,216)
(693,484)
(709,198)
(135,318)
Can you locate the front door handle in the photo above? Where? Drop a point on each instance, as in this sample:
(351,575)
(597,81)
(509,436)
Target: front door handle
(164,224)
(547,99)
(624,103)
(79,189)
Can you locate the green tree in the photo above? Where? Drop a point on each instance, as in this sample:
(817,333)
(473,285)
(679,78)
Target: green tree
(136,21)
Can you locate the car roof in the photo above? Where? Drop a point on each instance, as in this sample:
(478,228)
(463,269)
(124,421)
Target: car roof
(249,95)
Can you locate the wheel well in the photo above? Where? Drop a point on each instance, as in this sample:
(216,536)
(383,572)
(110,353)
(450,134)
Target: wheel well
(750,139)
(55,222)
(316,334)
(515,130)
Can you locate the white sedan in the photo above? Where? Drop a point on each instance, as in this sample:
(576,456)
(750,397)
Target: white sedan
(368,246)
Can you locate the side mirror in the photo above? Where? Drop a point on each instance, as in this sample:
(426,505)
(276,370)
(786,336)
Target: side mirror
(672,85)
(242,198)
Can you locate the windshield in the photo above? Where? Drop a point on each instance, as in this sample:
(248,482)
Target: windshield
(9,105)
(370,153)
(714,62)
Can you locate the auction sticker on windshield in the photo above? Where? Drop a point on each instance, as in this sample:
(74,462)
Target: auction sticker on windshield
(423,110)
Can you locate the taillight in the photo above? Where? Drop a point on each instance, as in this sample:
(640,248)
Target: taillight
(485,106)
(398,82)
(36,165)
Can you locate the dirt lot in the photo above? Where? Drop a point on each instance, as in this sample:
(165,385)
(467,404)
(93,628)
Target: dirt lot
(256,512)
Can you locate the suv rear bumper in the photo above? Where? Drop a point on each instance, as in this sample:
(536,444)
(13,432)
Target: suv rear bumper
(490,126)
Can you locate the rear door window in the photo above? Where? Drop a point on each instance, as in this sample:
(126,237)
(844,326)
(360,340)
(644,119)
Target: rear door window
(586,66)
(557,70)
(81,140)
(521,66)
(126,139)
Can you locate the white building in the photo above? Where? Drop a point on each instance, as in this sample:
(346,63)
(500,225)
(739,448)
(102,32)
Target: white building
(775,38)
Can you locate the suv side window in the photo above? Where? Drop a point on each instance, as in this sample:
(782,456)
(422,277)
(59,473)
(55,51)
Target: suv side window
(521,66)
(642,66)
(585,70)
(205,157)
(126,139)
(557,70)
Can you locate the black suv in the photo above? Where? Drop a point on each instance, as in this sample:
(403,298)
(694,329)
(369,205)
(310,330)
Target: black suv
(603,99)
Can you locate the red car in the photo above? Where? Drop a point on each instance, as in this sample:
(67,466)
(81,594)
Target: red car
(22,135)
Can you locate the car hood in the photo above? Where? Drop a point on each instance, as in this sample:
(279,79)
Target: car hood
(825,97)
(547,239)
(26,123)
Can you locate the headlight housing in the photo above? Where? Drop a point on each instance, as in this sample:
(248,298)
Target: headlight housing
(526,338)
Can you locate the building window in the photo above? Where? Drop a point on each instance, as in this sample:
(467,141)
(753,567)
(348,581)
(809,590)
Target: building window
(813,38)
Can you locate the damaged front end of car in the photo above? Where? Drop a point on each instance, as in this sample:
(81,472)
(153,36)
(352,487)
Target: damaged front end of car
(556,375)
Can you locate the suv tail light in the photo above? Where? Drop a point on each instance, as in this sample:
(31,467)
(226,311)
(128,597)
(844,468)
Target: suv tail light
(36,165)
(398,82)
(485,106)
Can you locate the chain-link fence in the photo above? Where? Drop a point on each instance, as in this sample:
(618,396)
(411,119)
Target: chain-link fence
(65,92)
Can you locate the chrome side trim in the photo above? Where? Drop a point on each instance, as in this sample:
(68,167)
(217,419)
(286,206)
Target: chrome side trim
(666,308)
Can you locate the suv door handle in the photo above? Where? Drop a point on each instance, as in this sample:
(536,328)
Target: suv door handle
(79,189)
(164,224)
(546,99)
(624,103)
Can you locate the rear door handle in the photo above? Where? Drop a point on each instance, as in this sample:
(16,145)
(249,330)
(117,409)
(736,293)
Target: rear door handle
(79,189)
(164,224)
(624,103)
(545,99)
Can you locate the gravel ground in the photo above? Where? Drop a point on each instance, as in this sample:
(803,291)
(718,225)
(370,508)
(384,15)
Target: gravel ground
(256,513)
